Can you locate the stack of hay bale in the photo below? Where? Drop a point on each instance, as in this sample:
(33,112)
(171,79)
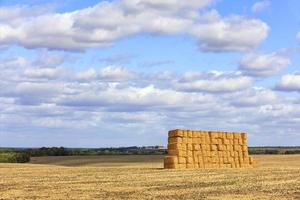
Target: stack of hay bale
(207,149)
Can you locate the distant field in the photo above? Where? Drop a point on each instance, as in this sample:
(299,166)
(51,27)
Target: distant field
(142,177)
(149,161)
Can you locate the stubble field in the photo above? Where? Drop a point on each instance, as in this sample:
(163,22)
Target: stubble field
(142,177)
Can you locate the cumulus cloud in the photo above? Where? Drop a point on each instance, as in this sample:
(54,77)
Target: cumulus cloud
(44,73)
(115,100)
(14,62)
(14,14)
(215,82)
(289,83)
(107,22)
(50,60)
(260,6)
(256,64)
(109,74)
(130,98)
(254,97)
(234,33)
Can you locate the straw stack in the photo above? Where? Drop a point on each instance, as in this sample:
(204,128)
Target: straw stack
(207,149)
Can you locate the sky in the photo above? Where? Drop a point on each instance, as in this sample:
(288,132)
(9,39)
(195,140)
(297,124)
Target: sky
(124,72)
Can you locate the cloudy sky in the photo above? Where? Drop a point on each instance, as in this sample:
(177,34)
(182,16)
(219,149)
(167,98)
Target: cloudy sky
(79,73)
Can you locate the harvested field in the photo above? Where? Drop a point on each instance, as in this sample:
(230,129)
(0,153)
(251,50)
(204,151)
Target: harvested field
(142,177)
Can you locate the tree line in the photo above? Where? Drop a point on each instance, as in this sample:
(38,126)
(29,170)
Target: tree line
(21,155)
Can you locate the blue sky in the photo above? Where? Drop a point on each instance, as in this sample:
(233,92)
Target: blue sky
(119,73)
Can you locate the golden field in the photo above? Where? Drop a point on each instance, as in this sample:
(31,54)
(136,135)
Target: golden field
(142,177)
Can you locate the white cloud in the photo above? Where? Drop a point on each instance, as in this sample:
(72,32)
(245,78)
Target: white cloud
(50,60)
(256,64)
(107,22)
(109,74)
(298,35)
(212,82)
(129,98)
(254,97)
(87,75)
(234,33)
(44,73)
(15,62)
(289,82)
(115,73)
(14,14)
(107,102)
(260,6)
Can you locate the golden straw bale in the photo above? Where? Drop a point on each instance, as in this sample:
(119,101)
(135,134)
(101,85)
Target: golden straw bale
(214,153)
(236,135)
(205,134)
(168,166)
(213,147)
(236,141)
(189,133)
(240,141)
(196,147)
(185,133)
(172,140)
(244,141)
(226,160)
(214,141)
(207,153)
(189,146)
(229,136)
(245,148)
(176,133)
(196,165)
(215,165)
(190,153)
(182,166)
(213,135)
(220,147)
(246,159)
(175,146)
(220,134)
(229,147)
(190,165)
(236,147)
(173,152)
(201,140)
(195,140)
(244,136)
(220,154)
(203,147)
(225,141)
(171,159)
(182,160)
(190,159)
(177,152)
(214,159)
(196,134)
(196,159)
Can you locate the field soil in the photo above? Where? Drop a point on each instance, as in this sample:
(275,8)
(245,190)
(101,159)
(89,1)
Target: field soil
(142,177)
